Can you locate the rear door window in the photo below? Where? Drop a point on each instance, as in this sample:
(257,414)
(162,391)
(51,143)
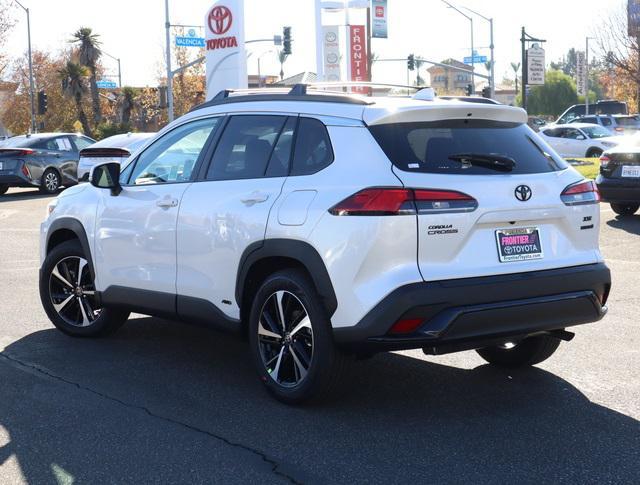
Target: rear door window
(426,147)
(606,121)
(313,150)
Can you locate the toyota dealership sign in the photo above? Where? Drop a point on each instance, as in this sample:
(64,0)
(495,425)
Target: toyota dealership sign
(224,41)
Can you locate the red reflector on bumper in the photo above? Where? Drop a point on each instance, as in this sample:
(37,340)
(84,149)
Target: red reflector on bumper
(406,325)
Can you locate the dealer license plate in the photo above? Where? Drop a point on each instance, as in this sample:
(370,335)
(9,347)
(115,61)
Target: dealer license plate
(631,171)
(519,244)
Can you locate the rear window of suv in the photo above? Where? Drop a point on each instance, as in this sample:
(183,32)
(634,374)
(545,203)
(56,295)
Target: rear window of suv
(426,146)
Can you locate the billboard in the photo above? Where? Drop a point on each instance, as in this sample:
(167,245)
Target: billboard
(379,19)
(358,62)
(224,44)
(331,52)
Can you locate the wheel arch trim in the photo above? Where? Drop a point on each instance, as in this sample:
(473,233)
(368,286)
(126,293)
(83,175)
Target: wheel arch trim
(75,226)
(299,251)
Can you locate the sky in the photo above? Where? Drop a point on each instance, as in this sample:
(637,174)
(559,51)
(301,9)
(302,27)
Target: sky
(134,31)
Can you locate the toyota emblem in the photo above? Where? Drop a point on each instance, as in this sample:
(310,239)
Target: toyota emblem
(523,193)
(220,19)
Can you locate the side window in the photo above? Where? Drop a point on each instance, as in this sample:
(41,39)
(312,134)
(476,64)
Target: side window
(552,132)
(573,134)
(81,142)
(63,144)
(281,156)
(313,150)
(172,157)
(245,147)
(606,121)
(590,119)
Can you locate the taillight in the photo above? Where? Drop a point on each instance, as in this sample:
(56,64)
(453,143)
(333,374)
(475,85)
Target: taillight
(384,201)
(619,129)
(406,325)
(25,170)
(580,193)
(604,160)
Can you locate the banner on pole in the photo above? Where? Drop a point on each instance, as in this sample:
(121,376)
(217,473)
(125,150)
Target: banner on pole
(225,50)
(331,52)
(358,56)
(379,19)
(535,65)
(581,73)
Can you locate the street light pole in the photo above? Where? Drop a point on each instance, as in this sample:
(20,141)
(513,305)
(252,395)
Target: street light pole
(492,81)
(31,85)
(117,59)
(167,26)
(470,19)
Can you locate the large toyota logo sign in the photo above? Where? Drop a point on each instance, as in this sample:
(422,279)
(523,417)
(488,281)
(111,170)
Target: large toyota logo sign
(220,19)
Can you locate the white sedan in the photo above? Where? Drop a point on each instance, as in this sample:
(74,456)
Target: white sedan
(579,139)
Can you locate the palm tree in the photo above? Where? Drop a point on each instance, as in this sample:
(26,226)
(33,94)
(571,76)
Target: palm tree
(89,53)
(73,86)
(516,66)
(282,58)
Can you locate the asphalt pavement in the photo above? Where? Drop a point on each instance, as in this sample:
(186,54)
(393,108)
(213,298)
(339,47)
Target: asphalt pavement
(164,402)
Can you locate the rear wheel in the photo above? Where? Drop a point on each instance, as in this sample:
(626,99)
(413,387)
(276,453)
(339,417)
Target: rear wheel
(50,182)
(68,295)
(291,339)
(3,188)
(594,153)
(625,209)
(530,351)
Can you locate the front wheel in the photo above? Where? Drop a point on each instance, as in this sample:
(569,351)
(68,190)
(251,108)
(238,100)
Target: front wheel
(68,295)
(594,153)
(529,351)
(625,209)
(291,339)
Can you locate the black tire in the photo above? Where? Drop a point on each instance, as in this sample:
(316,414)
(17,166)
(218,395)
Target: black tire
(527,352)
(50,181)
(96,321)
(594,153)
(625,209)
(3,189)
(311,345)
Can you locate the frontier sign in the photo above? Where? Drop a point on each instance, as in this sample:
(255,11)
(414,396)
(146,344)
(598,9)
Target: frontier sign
(224,43)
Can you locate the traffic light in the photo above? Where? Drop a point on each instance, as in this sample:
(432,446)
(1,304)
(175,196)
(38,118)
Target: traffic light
(411,62)
(286,40)
(469,89)
(486,92)
(42,102)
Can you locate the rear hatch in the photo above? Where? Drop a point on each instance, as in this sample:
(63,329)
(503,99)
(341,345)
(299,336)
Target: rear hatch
(488,191)
(12,159)
(622,163)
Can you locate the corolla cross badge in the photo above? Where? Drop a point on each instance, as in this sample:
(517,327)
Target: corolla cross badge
(523,193)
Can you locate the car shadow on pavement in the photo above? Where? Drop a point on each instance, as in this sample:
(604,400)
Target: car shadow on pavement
(631,224)
(25,195)
(161,401)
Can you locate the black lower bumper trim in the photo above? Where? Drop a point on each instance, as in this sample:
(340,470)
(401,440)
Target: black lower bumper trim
(465,313)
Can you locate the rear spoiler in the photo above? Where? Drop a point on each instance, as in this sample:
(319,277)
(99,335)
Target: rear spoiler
(105,152)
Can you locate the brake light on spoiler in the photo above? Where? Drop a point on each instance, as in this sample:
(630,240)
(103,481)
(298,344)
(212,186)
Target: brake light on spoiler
(393,201)
(585,192)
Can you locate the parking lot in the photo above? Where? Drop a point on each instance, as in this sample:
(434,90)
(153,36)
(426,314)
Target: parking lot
(166,402)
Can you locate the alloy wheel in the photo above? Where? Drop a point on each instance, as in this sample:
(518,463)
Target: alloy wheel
(285,338)
(72,292)
(51,181)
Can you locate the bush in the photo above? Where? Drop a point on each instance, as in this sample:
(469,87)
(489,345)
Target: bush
(105,130)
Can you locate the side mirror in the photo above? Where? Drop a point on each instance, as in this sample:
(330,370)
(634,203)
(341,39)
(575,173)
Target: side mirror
(106,176)
(580,137)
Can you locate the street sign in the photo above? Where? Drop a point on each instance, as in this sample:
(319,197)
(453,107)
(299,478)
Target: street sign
(475,60)
(535,65)
(581,74)
(106,84)
(190,42)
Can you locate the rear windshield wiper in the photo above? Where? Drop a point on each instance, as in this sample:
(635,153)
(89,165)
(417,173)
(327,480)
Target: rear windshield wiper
(488,160)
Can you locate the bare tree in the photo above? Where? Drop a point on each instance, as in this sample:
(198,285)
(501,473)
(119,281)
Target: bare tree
(6,23)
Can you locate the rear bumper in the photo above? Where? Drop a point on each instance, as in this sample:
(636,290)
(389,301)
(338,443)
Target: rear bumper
(474,312)
(618,190)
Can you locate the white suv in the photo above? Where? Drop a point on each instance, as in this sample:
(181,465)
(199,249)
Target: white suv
(327,225)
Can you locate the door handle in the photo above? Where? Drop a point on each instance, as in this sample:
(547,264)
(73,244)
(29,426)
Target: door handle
(166,203)
(254,198)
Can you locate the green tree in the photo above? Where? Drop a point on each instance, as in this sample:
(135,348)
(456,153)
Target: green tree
(554,96)
(89,55)
(127,103)
(282,58)
(74,87)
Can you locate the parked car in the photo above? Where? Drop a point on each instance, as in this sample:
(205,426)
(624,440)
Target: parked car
(323,225)
(614,124)
(44,160)
(579,139)
(619,178)
(602,106)
(116,148)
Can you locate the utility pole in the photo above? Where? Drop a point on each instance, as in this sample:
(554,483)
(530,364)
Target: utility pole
(31,84)
(492,81)
(167,26)
(470,19)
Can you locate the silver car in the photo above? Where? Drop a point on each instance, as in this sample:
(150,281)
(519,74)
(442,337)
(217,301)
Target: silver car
(44,160)
(116,148)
